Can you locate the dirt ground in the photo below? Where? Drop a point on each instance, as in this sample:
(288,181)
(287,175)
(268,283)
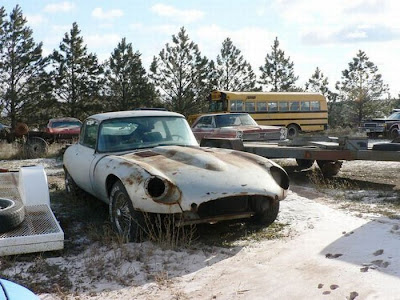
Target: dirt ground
(333,239)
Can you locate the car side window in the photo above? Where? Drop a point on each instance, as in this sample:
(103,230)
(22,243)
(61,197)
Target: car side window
(205,122)
(88,136)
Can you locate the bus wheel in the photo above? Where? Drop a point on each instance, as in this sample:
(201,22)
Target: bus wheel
(292,131)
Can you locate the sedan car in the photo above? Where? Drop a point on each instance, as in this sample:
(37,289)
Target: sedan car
(235,125)
(150,162)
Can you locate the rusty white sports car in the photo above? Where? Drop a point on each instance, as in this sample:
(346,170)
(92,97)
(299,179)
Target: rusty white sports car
(149,161)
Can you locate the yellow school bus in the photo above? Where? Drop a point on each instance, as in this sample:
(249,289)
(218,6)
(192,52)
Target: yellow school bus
(295,110)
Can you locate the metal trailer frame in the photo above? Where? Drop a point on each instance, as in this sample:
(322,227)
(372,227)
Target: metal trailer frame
(327,151)
(331,149)
(40,230)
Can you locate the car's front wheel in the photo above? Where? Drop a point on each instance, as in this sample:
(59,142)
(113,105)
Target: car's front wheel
(266,212)
(126,221)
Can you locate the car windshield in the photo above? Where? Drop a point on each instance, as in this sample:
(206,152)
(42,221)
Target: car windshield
(143,132)
(234,120)
(58,124)
(394,116)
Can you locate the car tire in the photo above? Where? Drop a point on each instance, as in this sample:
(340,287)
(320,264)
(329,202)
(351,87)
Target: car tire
(12,214)
(292,131)
(305,163)
(71,187)
(394,133)
(126,221)
(266,214)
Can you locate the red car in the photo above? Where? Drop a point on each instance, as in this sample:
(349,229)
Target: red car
(64,127)
(235,125)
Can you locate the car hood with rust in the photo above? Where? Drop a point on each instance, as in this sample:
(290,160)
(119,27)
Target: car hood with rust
(201,174)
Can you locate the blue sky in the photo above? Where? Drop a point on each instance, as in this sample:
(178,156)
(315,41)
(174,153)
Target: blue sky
(314,33)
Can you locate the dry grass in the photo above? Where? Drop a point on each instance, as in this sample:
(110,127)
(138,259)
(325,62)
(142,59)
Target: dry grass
(16,151)
(321,183)
(167,231)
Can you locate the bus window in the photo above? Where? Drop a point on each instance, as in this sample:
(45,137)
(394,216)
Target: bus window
(305,105)
(236,105)
(272,106)
(315,105)
(283,106)
(233,105)
(239,105)
(250,106)
(215,106)
(294,106)
(261,106)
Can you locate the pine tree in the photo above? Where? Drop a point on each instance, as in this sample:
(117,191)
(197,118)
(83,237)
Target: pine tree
(77,76)
(277,73)
(233,72)
(361,84)
(181,74)
(21,65)
(318,83)
(128,85)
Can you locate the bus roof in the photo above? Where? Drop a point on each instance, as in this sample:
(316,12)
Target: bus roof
(266,93)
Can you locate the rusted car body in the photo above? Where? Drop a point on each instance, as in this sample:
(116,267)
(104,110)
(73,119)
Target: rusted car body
(235,125)
(149,161)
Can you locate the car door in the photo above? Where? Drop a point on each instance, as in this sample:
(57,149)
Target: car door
(84,156)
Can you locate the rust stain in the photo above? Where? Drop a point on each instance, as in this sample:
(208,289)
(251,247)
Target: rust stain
(129,181)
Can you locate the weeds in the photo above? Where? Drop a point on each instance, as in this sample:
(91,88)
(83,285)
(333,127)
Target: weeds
(321,183)
(168,232)
(16,150)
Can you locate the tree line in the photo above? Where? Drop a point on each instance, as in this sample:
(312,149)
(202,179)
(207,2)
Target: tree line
(72,82)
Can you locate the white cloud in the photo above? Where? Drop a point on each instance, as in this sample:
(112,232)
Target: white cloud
(34,20)
(59,7)
(185,16)
(107,15)
(341,20)
(165,29)
(61,28)
(102,40)
(253,42)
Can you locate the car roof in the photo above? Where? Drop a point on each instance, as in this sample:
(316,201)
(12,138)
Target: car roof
(223,114)
(64,119)
(134,113)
